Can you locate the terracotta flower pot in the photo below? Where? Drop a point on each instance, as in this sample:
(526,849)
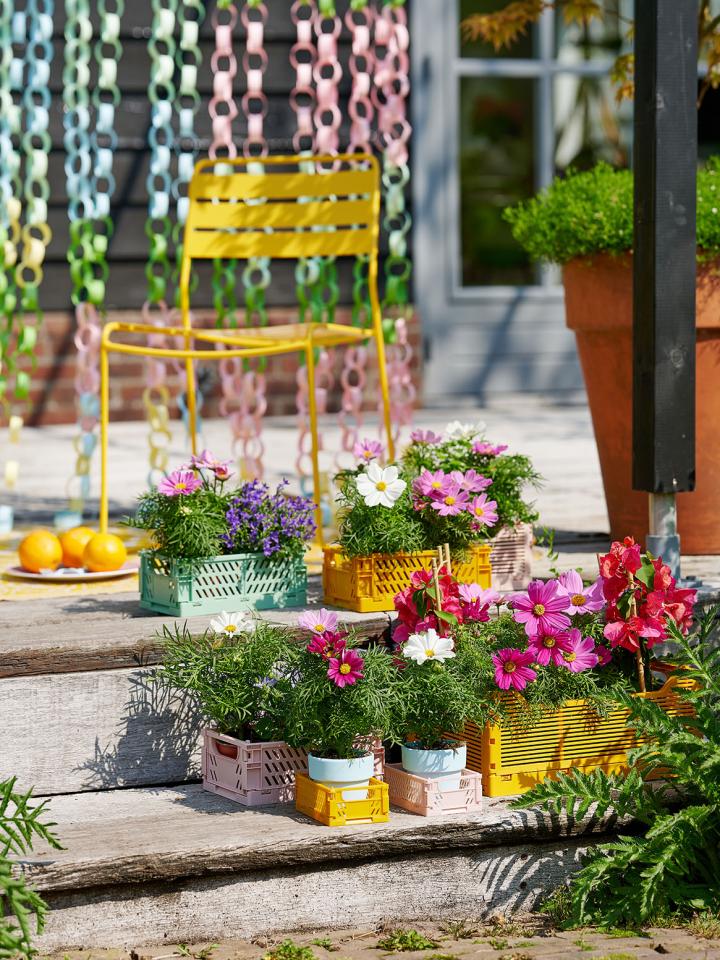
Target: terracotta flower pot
(598,307)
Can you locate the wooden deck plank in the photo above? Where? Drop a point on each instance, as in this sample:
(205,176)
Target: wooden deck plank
(151,835)
(107,632)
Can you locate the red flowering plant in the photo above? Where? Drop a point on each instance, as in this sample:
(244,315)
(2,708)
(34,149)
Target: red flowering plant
(642,600)
(440,605)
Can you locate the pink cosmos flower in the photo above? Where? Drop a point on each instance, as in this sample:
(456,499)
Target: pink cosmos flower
(179,483)
(318,621)
(581,654)
(483,449)
(346,669)
(425,436)
(208,461)
(541,608)
(474,593)
(582,599)
(512,668)
(327,645)
(470,480)
(549,648)
(483,511)
(367,450)
(428,483)
(450,502)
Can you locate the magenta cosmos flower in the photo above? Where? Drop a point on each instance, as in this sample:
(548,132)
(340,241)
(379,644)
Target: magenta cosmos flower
(483,511)
(483,449)
(541,608)
(179,483)
(367,450)
(318,621)
(425,436)
(582,599)
(208,461)
(580,654)
(549,648)
(429,483)
(346,669)
(471,481)
(451,502)
(327,645)
(512,668)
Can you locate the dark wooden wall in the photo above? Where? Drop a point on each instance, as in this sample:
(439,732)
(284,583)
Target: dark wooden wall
(128,249)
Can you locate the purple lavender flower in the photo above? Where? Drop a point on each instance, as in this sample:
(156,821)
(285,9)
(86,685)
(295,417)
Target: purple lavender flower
(272,524)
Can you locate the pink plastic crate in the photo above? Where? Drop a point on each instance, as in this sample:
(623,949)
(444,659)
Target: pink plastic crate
(423,796)
(259,774)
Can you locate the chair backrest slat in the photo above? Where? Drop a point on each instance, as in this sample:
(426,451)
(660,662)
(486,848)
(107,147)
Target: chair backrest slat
(281,213)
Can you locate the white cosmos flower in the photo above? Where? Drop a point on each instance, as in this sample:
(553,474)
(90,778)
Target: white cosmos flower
(230,624)
(427,646)
(378,486)
(464,431)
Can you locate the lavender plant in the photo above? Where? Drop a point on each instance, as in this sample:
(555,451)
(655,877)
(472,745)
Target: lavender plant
(274,524)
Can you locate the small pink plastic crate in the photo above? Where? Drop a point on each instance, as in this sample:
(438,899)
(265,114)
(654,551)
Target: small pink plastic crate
(258,774)
(423,796)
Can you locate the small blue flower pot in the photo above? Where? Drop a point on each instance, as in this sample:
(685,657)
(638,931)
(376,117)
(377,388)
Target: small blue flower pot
(445,766)
(334,773)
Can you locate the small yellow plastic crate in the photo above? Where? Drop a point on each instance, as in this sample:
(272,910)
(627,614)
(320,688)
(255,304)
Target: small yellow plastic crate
(513,759)
(326,805)
(368,584)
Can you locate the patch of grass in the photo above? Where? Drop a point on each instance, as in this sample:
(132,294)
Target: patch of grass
(204,953)
(498,943)
(459,930)
(620,933)
(516,956)
(616,956)
(288,950)
(441,956)
(583,945)
(400,940)
(557,907)
(524,943)
(326,943)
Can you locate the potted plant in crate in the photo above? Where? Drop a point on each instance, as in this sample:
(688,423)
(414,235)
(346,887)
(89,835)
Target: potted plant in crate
(218,547)
(464,448)
(339,704)
(239,671)
(392,523)
(585,223)
(560,655)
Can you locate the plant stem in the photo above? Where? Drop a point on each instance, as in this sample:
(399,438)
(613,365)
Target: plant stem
(638,652)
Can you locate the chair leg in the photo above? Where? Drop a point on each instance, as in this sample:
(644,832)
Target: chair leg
(312,403)
(384,387)
(104,419)
(191,404)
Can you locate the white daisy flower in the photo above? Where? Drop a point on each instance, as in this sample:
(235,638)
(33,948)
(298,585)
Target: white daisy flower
(464,431)
(380,486)
(427,646)
(230,624)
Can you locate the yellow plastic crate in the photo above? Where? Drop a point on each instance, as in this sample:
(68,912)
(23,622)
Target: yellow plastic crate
(368,584)
(513,759)
(327,806)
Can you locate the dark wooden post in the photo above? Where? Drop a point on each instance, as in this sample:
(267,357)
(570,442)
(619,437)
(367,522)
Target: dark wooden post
(665,160)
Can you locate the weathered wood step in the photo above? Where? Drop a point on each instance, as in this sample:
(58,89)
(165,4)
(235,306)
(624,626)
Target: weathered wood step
(181,864)
(78,707)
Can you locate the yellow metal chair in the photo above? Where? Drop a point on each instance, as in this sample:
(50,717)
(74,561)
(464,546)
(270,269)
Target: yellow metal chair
(282,214)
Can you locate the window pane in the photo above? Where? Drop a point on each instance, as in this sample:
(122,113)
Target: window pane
(522,47)
(601,39)
(496,169)
(589,123)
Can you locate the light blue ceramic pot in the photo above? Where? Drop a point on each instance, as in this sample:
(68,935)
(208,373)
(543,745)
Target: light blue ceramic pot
(343,773)
(443,765)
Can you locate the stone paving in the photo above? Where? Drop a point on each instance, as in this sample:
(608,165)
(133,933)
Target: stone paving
(518,939)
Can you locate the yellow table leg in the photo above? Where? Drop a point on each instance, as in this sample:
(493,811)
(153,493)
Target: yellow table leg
(104,423)
(312,400)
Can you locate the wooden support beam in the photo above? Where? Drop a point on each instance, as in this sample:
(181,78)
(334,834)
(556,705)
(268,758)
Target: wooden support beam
(665,159)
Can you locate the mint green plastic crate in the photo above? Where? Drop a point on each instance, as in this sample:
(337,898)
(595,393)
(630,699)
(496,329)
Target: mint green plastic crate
(238,581)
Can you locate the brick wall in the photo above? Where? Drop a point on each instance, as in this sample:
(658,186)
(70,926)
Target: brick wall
(52,397)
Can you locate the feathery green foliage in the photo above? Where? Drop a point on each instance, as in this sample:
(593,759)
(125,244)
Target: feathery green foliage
(591,212)
(187,527)
(365,530)
(674,865)
(239,681)
(21,823)
(327,719)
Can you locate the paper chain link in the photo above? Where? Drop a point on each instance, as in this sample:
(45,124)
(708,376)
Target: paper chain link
(10,190)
